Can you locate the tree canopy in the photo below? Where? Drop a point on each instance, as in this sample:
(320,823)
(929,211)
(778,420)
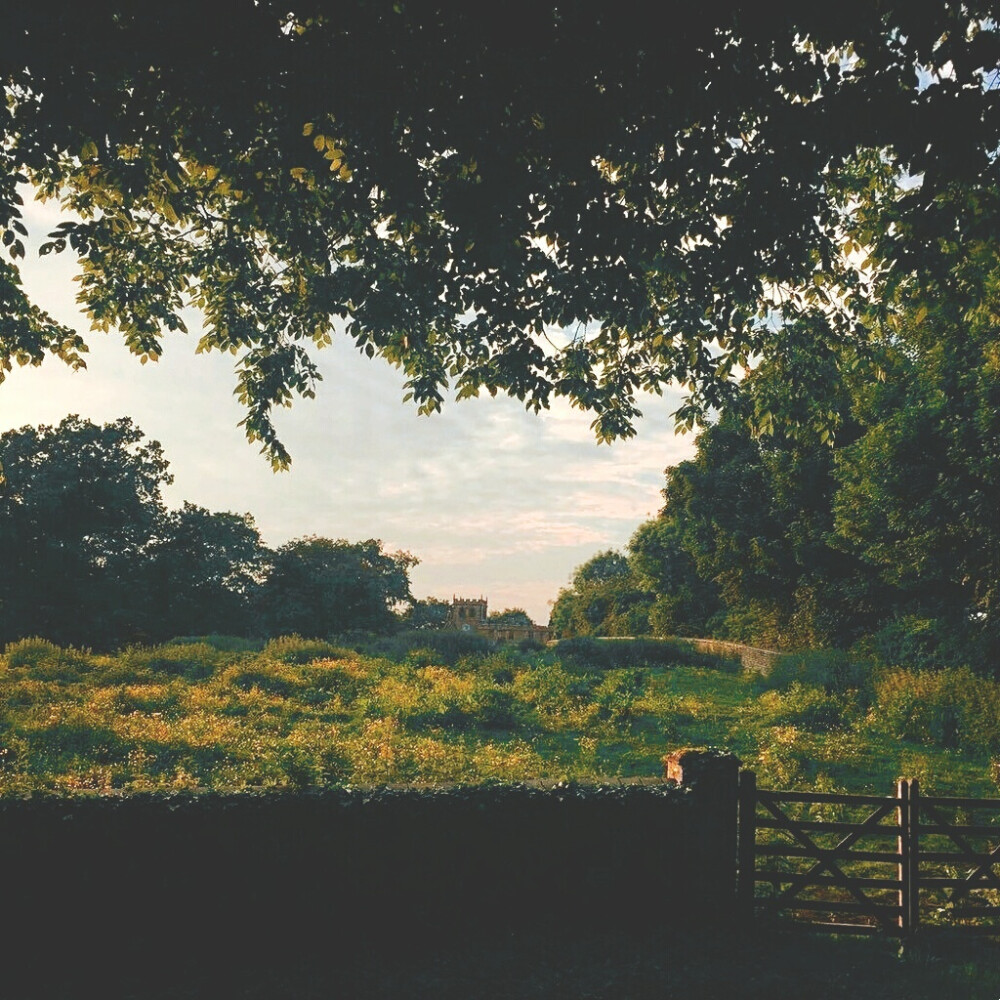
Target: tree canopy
(90,554)
(604,598)
(318,586)
(79,504)
(510,616)
(889,538)
(534,198)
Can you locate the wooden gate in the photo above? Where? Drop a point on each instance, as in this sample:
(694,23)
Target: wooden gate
(956,843)
(865,863)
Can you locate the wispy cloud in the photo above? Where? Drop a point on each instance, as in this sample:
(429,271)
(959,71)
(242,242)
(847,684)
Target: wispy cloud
(492,499)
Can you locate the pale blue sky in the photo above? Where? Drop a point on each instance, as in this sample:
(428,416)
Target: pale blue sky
(491,499)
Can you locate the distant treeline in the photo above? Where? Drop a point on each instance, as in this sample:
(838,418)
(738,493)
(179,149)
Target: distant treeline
(90,554)
(832,509)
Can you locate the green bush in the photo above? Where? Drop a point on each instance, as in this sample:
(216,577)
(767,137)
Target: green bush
(30,652)
(73,739)
(495,709)
(270,677)
(803,705)
(587,653)
(929,644)
(424,656)
(449,715)
(45,661)
(833,670)
(952,708)
(295,649)
(584,652)
(616,696)
(442,648)
(158,698)
(500,666)
(223,643)
(501,675)
(328,677)
(194,661)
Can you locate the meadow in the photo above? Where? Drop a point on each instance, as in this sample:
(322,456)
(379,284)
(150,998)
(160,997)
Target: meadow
(227,714)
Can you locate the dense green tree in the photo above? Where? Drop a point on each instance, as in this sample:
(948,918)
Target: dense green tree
(887,529)
(685,603)
(753,514)
(427,613)
(604,599)
(321,587)
(205,569)
(79,503)
(510,616)
(918,493)
(744,545)
(89,554)
(456,181)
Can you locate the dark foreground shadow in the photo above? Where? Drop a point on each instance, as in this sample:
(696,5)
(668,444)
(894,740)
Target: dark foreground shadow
(661,964)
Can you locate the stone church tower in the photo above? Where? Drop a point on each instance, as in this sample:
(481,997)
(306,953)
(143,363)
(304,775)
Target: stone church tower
(467,615)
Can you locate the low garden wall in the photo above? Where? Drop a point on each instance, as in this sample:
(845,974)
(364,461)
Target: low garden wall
(750,657)
(196,879)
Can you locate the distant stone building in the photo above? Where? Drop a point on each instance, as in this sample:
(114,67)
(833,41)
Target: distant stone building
(467,615)
(470,615)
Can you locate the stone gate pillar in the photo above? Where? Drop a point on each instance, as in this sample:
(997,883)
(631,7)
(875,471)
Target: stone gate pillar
(712,778)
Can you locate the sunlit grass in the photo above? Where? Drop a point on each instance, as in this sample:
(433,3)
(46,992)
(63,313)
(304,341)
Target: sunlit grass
(302,714)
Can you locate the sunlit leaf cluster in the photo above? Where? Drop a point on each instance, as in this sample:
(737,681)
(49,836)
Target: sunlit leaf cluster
(543,200)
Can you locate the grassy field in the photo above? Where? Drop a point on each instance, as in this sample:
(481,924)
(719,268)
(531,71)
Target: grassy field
(224,714)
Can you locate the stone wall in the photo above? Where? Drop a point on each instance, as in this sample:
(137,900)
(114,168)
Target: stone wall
(751,657)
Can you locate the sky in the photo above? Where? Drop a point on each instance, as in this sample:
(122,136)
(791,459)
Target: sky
(494,501)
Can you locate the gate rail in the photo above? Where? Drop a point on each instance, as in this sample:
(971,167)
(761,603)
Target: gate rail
(866,863)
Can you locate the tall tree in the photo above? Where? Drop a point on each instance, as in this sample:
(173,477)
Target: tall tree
(603,599)
(455,182)
(205,570)
(917,498)
(78,505)
(90,555)
(744,545)
(888,528)
(722,504)
(510,616)
(320,587)
(684,602)
(430,613)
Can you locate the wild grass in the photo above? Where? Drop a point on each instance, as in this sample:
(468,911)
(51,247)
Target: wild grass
(207,713)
